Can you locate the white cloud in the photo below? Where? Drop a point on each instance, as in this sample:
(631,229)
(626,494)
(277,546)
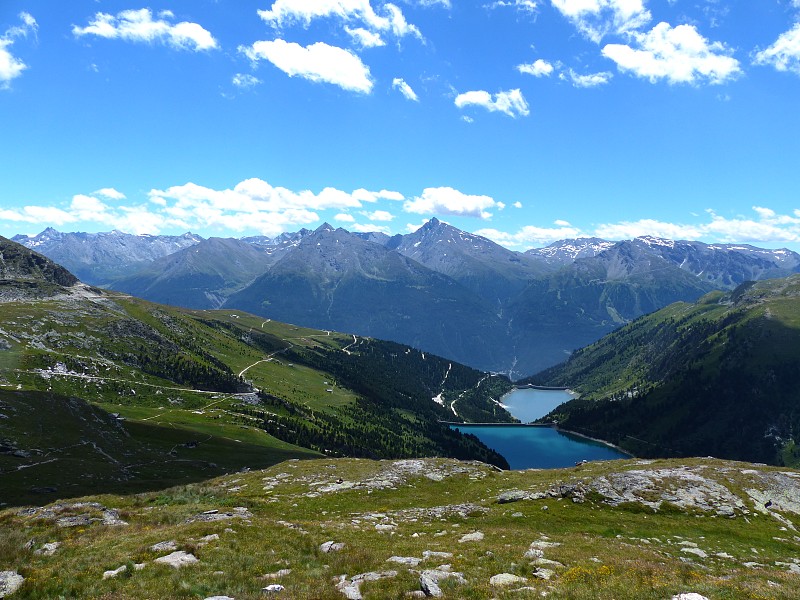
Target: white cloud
(255,204)
(626,230)
(12,67)
(317,62)
(517,205)
(784,54)
(363,195)
(344,218)
(442,3)
(379,215)
(676,54)
(767,226)
(448,201)
(530,7)
(538,68)
(139,26)
(85,208)
(245,80)
(511,103)
(587,81)
(596,18)
(110,193)
(530,235)
(392,20)
(364,38)
(370,228)
(405,89)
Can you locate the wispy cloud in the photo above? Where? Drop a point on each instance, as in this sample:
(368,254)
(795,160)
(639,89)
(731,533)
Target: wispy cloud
(597,18)
(140,26)
(391,20)
(587,81)
(405,89)
(511,102)
(12,67)
(245,81)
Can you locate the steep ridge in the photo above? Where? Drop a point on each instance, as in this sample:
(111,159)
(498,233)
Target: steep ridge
(200,276)
(487,269)
(718,377)
(336,280)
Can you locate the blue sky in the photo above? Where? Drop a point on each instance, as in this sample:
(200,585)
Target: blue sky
(526,121)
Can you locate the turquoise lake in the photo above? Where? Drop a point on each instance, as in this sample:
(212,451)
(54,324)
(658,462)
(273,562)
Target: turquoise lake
(529,447)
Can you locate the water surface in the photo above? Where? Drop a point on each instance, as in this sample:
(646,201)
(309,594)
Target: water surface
(529,404)
(529,447)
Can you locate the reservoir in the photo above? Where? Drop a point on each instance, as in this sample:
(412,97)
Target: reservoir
(538,447)
(529,404)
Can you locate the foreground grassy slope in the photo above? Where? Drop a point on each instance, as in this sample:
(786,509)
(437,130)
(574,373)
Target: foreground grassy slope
(622,530)
(718,377)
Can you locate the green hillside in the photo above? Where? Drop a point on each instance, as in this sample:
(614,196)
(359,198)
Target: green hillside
(719,377)
(199,393)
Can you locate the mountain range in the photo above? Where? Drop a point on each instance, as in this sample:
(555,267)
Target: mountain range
(438,289)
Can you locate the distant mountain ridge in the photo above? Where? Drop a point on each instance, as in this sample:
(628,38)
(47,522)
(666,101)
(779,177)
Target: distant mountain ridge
(99,258)
(436,288)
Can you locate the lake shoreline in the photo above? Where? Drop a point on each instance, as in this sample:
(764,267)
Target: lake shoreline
(594,439)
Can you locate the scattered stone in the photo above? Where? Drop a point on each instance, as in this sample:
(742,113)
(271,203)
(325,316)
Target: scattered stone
(115,572)
(273,588)
(516,515)
(545,562)
(111,518)
(48,549)
(430,578)
(219,598)
(210,516)
(10,582)
(77,521)
(177,559)
(213,537)
(695,551)
(477,536)
(168,546)
(331,546)
(426,554)
(277,574)
(351,588)
(503,579)
(545,574)
(689,596)
(405,560)
(384,527)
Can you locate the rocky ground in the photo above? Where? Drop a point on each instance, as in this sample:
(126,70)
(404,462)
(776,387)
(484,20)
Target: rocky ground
(422,528)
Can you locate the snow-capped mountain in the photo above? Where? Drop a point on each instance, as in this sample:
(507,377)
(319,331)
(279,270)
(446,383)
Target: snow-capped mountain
(99,258)
(564,252)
